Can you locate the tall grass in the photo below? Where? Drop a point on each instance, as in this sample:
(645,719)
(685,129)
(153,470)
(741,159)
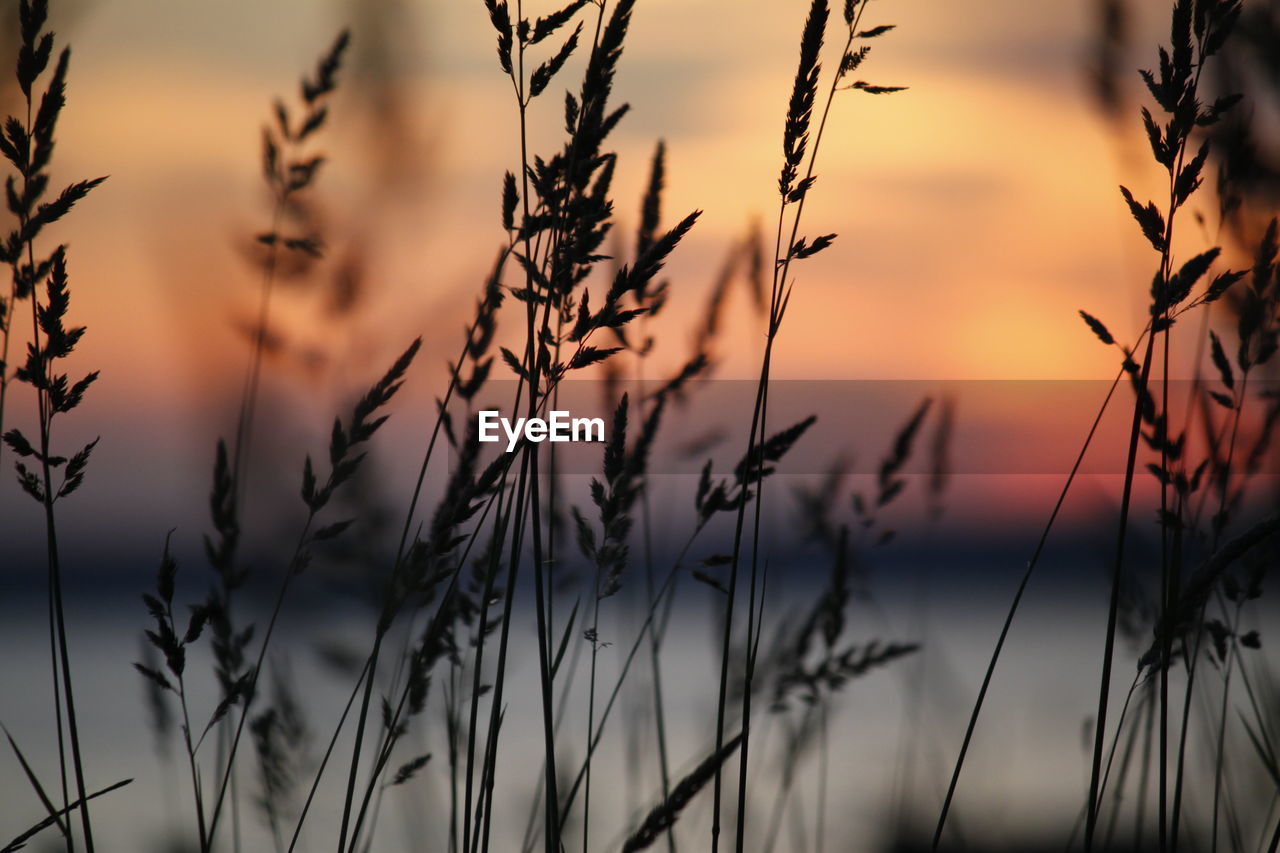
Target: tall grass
(1198,32)
(793,191)
(28,145)
(483,545)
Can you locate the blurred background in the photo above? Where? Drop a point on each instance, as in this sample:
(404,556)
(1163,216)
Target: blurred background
(977,212)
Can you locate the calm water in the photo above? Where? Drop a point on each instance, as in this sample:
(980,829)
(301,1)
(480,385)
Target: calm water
(1027,773)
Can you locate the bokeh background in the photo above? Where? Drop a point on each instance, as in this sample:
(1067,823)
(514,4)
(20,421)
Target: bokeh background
(977,212)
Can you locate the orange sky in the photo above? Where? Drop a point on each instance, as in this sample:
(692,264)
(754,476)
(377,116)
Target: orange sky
(976,212)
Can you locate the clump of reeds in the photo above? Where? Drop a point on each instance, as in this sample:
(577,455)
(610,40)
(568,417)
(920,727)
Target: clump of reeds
(1199,32)
(345,455)
(451,588)
(41,277)
(277,731)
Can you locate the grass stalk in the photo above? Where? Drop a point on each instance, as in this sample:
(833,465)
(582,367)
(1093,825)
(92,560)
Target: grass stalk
(1104,689)
(7,308)
(1013,610)
(1126,762)
(28,146)
(1221,736)
(663,593)
(64,655)
(795,141)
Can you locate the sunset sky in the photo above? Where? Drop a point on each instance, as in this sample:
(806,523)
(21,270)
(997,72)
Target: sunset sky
(976,212)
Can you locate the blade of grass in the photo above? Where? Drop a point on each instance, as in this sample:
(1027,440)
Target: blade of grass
(1013,610)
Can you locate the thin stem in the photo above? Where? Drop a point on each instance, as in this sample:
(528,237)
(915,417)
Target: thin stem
(591,716)
(495,717)
(451,730)
(566,689)
(1115,741)
(1144,775)
(253,376)
(598,733)
(291,570)
(1013,609)
(191,758)
(1168,583)
(824,772)
(328,753)
(356,749)
(1221,759)
(6,325)
(655,646)
(1193,659)
(789,762)
(1126,761)
(755,450)
(45,418)
(1104,690)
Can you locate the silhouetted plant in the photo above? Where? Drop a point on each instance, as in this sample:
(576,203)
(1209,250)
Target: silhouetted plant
(789,246)
(28,145)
